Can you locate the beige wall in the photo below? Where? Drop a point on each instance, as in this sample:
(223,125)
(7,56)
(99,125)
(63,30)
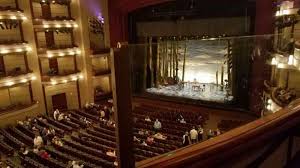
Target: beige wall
(13,61)
(66,65)
(101,63)
(59,10)
(20,94)
(103,82)
(71,94)
(14,95)
(10,34)
(41,39)
(62,39)
(37,10)
(8,3)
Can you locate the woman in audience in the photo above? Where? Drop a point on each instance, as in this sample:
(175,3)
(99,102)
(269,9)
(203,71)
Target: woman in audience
(186,139)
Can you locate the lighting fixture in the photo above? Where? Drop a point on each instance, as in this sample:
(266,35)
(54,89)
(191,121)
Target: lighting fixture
(274,61)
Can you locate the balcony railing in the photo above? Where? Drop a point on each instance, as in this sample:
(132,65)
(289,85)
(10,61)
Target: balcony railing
(19,78)
(59,51)
(61,78)
(11,14)
(18,107)
(14,47)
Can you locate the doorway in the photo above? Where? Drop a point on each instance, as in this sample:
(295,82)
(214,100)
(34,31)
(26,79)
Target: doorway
(59,101)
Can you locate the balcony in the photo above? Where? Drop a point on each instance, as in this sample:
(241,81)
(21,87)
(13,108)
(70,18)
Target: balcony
(16,79)
(63,51)
(55,23)
(55,78)
(97,73)
(13,47)
(19,108)
(8,13)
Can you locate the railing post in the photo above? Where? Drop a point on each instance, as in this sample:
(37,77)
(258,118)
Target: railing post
(121,87)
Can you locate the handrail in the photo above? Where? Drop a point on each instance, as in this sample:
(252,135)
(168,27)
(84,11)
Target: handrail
(230,144)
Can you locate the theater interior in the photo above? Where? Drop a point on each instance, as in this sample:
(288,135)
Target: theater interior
(149,83)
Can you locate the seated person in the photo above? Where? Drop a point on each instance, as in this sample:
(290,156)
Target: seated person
(182,121)
(144,143)
(61,116)
(38,141)
(111,153)
(148,119)
(56,114)
(159,136)
(150,140)
(135,139)
(44,154)
(157,125)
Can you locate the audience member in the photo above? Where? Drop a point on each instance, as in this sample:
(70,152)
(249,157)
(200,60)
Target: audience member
(148,119)
(194,135)
(38,141)
(44,154)
(157,125)
(200,133)
(182,121)
(159,136)
(135,139)
(210,134)
(144,143)
(186,139)
(76,164)
(150,140)
(56,114)
(111,153)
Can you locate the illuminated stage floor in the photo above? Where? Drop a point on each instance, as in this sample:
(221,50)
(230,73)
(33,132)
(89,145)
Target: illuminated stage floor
(210,92)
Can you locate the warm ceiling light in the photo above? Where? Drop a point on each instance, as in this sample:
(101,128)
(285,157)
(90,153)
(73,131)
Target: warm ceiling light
(80,76)
(4,51)
(49,55)
(68,25)
(10,83)
(46,26)
(19,50)
(13,17)
(58,25)
(28,48)
(274,61)
(61,54)
(65,81)
(74,78)
(53,82)
(75,25)
(33,78)
(24,18)
(24,80)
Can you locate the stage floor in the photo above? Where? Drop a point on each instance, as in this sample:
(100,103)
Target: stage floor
(207,92)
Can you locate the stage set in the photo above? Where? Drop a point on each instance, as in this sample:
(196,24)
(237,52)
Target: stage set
(194,69)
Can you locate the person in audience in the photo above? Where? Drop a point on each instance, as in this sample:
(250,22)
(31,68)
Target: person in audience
(182,121)
(107,112)
(61,116)
(148,119)
(24,151)
(116,163)
(141,132)
(210,134)
(218,132)
(150,140)
(144,143)
(194,135)
(76,164)
(102,114)
(38,141)
(157,125)
(57,141)
(186,139)
(111,153)
(159,136)
(180,118)
(200,133)
(56,114)
(20,122)
(44,154)
(44,134)
(135,139)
